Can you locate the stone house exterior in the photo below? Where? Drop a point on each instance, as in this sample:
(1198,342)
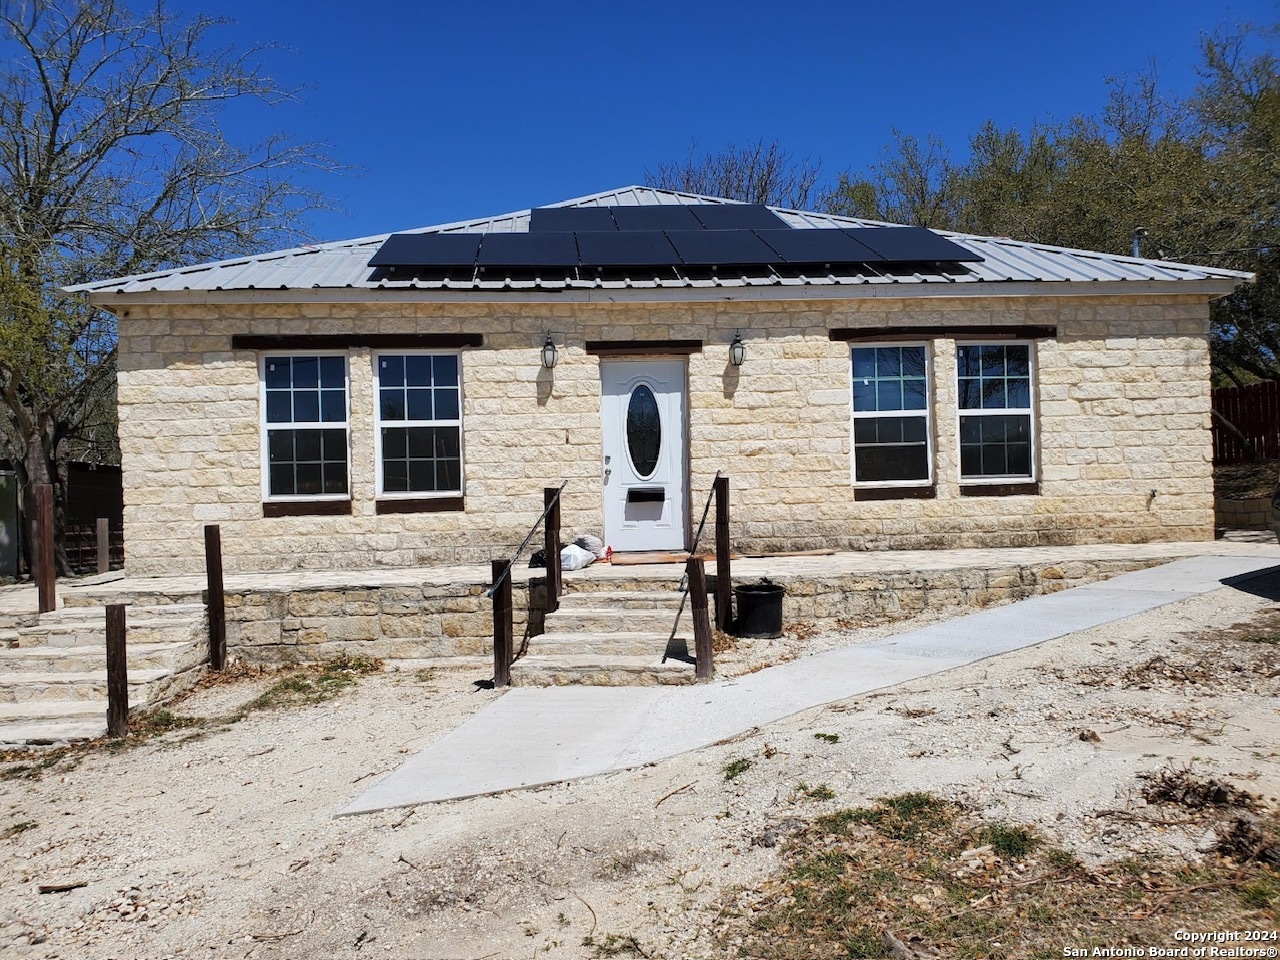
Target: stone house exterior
(330,413)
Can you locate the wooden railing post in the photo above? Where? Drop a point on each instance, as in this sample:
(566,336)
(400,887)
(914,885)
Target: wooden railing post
(45,570)
(724,578)
(215,597)
(551,529)
(503,631)
(705,668)
(117,673)
(104,544)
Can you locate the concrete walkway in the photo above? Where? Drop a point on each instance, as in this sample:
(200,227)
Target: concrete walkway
(536,736)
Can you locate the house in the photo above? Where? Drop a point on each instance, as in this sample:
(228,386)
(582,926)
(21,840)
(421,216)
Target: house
(403,400)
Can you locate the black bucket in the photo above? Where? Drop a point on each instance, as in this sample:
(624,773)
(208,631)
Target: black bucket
(759,610)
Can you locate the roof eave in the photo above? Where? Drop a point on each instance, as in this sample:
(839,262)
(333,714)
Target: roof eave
(1208,289)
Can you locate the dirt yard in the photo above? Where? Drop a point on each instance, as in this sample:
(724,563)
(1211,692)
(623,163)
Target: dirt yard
(216,839)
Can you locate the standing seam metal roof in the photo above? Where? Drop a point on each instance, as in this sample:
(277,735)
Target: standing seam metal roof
(344,264)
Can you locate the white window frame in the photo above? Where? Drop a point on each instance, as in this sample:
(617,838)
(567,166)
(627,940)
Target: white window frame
(1029,411)
(264,426)
(379,423)
(927,412)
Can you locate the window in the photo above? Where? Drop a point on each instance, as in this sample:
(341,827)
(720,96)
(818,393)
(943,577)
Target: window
(891,415)
(419,420)
(994,399)
(305,414)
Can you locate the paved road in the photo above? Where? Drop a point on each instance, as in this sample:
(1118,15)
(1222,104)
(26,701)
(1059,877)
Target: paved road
(533,736)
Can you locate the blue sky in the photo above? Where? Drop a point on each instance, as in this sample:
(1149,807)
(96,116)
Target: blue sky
(446,111)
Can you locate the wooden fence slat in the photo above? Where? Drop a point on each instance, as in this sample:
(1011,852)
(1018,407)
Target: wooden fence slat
(1254,411)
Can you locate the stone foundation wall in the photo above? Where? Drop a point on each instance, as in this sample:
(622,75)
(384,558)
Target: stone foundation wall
(1122,417)
(448,623)
(1251,514)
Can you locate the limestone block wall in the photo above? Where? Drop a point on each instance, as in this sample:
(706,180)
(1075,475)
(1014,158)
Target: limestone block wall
(1122,416)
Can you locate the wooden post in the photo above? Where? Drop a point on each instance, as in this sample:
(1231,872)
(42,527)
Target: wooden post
(551,499)
(503,631)
(724,578)
(705,669)
(215,598)
(117,673)
(45,570)
(104,544)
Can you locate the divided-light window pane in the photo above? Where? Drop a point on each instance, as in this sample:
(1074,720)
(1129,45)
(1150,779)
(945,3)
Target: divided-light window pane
(419,423)
(890,414)
(994,396)
(305,407)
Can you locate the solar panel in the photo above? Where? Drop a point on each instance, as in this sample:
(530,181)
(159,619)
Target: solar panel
(738,216)
(571,219)
(814,246)
(528,250)
(710,248)
(634,248)
(655,218)
(427,250)
(910,244)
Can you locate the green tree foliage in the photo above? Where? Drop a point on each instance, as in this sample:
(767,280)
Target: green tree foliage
(112,162)
(1197,180)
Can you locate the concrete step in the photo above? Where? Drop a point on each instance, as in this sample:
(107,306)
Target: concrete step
(75,685)
(86,658)
(608,671)
(619,643)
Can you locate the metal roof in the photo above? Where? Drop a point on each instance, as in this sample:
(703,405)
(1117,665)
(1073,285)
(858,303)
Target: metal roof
(344,265)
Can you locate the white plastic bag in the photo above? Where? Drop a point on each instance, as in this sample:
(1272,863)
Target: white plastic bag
(592,543)
(573,557)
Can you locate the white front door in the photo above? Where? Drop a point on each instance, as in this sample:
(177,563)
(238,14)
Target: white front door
(642,412)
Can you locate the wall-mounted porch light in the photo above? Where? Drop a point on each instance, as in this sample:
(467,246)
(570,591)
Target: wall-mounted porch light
(737,350)
(549,353)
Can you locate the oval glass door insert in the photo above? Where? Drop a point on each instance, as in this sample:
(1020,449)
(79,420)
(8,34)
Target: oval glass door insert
(644,431)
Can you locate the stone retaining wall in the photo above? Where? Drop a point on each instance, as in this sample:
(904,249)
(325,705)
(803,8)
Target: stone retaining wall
(1251,514)
(453,622)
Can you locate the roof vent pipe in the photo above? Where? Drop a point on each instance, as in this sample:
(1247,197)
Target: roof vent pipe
(1138,234)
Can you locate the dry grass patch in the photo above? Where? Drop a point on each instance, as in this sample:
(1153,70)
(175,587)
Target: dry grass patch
(920,874)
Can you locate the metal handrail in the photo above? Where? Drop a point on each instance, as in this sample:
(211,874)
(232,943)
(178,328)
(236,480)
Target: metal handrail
(684,577)
(697,537)
(520,549)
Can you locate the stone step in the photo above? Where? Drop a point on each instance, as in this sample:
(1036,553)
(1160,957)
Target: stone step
(86,658)
(41,710)
(91,631)
(50,733)
(140,611)
(608,671)
(621,643)
(137,597)
(622,599)
(605,619)
(78,685)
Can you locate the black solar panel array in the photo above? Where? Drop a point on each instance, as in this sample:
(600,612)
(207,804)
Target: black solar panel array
(701,237)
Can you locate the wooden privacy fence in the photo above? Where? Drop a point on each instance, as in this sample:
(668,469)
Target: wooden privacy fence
(1254,411)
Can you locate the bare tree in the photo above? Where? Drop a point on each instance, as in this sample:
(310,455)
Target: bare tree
(756,172)
(113,161)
